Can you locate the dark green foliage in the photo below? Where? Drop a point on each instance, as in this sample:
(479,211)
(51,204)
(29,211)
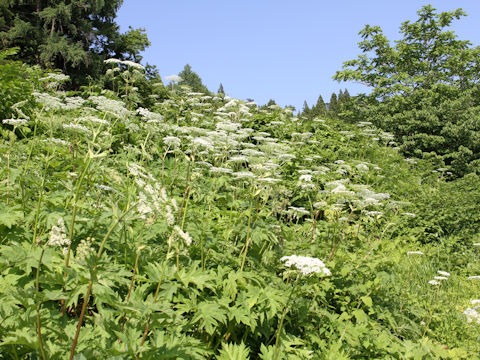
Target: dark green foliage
(451,210)
(192,79)
(305,109)
(16,86)
(443,121)
(220,89)
(271,102)
(74,36)
(424,89)
(333,106)
(320,109)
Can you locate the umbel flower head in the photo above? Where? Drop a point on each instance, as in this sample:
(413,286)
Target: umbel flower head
(306,265)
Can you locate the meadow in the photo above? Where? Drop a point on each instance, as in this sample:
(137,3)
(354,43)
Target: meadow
(208,227)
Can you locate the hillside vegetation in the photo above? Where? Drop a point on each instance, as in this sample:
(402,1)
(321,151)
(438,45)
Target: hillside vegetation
(208,228)
(147,221)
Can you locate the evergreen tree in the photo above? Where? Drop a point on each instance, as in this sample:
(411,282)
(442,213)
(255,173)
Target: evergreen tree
(305,109)
(320,107)
(220,89)
(333,106)
(75,36)
(271,102)
(192,79)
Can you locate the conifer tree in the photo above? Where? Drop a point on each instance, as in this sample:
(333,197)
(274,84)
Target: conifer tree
(192,79)
(305,109)
(220,89)
(320,107)
(333,107)
(75,36)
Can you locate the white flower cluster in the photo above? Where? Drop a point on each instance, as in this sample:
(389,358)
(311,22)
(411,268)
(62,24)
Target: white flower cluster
(74,102)
(184,235)
(152,199)
(306,265)
(172,141)
(15,122)
(472,314)
(48,101)
(125,62)
(84,249)
(78,127)
(415,253)
(58,236)
(55,77)
(173,78)
(56,141)
(438,279)
(243,175)
(111,106)
(305,181)
(93,119)
(149,117)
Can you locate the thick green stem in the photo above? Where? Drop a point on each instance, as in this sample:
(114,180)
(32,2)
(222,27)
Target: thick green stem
(74,211)
(37,307)
(39,202)
(8,163)
(160,281)
(247,243)
(86,298)
(285,311)
(80,320)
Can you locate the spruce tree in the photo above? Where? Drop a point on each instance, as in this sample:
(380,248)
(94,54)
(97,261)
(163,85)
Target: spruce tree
(320,107)
(192,79)
(305,109)
(75,36)
(333,108)
(220,89)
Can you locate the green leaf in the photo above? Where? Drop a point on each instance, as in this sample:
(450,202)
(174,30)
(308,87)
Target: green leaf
(367,300)
(233,352)
(209,315)
(10,217)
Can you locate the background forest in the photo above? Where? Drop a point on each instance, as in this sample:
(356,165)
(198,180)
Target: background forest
(147,220)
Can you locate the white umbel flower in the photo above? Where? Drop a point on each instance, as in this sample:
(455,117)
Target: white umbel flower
(15,122)
(472,315)
(306,265)
(173,78)
(415,253)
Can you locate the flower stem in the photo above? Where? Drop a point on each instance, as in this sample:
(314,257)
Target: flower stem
(247,243)
(86,298)
(285,311)
(37,306)
(160,281)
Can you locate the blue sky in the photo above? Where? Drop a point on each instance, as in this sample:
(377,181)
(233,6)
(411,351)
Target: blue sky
(284,50)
